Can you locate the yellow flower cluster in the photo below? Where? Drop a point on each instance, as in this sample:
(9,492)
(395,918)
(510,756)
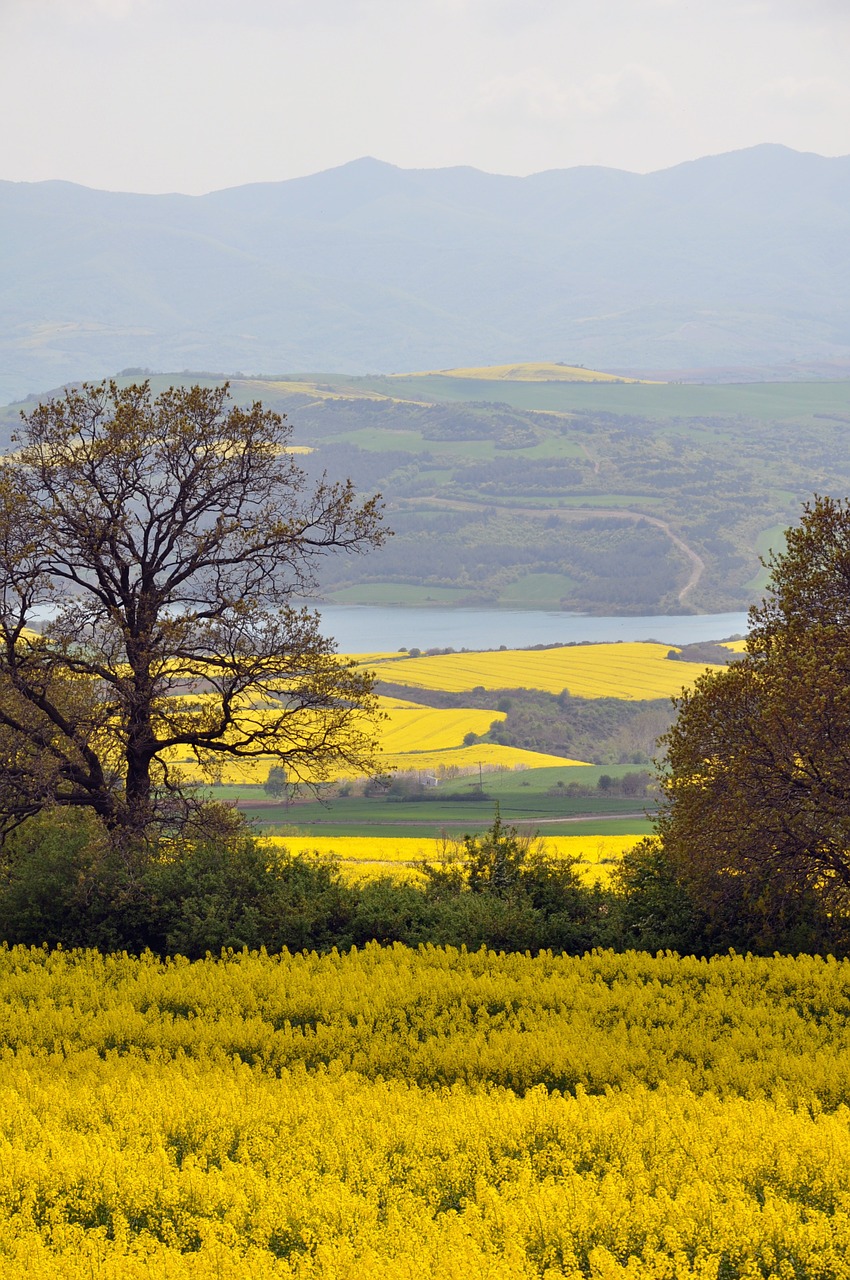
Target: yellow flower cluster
(406,1115)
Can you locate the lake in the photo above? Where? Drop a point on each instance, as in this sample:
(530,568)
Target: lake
(381,629)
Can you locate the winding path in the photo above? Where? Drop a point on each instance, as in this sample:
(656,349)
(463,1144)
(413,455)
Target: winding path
(577,513)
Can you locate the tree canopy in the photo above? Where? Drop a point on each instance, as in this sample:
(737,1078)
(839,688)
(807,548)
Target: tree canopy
(757,781)
(151,550)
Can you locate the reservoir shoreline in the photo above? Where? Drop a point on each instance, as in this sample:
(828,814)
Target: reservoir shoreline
(390,628)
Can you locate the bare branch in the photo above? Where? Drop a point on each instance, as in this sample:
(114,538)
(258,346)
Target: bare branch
(167,536)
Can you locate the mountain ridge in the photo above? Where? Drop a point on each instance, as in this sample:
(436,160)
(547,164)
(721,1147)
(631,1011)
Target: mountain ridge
(729,260)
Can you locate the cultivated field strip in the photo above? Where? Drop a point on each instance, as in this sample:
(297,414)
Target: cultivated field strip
(411,737)
(410,727)
(632,670)
(391,851)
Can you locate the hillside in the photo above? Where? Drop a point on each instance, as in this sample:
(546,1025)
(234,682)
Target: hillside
(594,496)
(732,260)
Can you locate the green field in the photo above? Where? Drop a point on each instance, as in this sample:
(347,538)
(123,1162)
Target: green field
(764,401)
(772,539)
(759,401)
(601,826)
(528,798)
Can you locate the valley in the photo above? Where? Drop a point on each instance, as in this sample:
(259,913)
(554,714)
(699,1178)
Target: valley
(597,497)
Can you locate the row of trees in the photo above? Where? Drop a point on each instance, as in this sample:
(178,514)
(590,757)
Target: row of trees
(63,882)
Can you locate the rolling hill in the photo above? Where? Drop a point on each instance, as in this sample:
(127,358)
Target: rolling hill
(595,496)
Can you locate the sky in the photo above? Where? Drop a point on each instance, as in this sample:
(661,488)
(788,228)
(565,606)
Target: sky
(196,95)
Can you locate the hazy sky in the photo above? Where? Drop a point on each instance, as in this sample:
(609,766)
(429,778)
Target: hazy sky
(194,95)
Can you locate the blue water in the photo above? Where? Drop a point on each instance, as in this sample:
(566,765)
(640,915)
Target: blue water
(377,629)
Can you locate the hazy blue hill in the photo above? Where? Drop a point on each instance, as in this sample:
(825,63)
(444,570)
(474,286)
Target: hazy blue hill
(739,259)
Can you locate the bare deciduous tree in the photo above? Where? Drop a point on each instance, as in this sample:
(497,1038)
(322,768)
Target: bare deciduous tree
(165,539)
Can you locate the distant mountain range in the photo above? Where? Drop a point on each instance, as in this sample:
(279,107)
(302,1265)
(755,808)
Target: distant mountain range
(729,261)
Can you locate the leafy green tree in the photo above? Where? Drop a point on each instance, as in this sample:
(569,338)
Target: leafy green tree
(275,784)
(756,809)
(495,860)
(165,539)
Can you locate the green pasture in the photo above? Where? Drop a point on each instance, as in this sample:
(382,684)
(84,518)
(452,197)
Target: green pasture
(531,798)
(764,401)
(761,401)
(615,500)
(385,439)
(538,781)
(590,827)
(772,539)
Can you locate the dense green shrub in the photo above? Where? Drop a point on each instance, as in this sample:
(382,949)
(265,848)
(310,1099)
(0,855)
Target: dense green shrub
(62,883)
(234,891)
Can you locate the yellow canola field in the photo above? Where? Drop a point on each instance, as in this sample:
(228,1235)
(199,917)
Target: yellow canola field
(130,1170)
(491,755)
(408,849)
(413,728)
(412,737)
(488,754)
(423,1115)
(539,371)
(369,857)
(317,390)
(632,671)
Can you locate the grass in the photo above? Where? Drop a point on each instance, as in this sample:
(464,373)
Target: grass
(615,500)
(534,782)
(381,439)
(772,539)
(377,816)
(552,447)
(764,401)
